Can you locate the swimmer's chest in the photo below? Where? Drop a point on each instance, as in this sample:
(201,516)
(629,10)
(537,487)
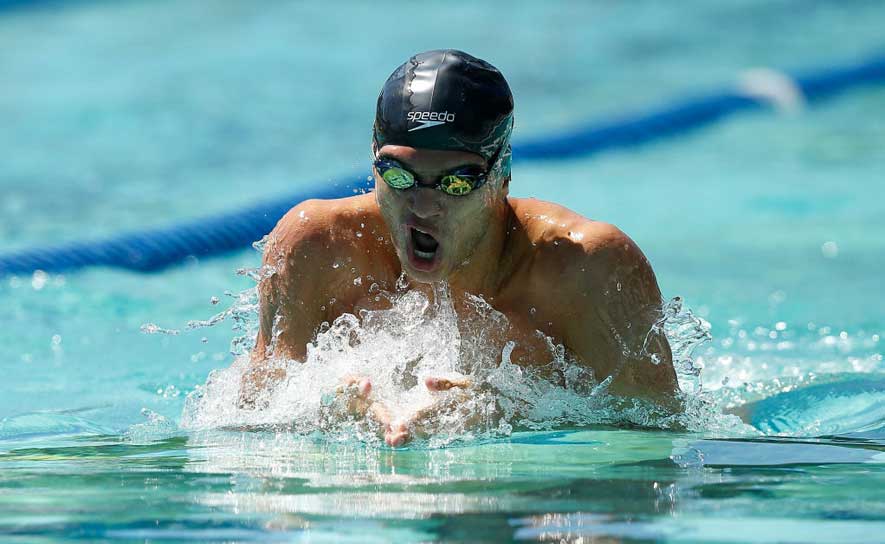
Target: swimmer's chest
(533,331)
(527,323)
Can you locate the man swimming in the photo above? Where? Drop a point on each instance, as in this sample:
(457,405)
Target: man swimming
(440,212)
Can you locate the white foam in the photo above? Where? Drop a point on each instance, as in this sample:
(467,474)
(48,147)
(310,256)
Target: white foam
(419,337)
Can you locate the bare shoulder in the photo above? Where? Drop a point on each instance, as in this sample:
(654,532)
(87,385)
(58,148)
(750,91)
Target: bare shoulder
(316,252)
(567,245)
(313,257)
(600,282)
(316,232)
(316,221)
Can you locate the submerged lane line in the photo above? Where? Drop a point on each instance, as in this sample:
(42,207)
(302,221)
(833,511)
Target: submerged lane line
(154,249)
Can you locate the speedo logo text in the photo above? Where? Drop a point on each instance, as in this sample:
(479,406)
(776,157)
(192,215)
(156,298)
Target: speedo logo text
(429,118)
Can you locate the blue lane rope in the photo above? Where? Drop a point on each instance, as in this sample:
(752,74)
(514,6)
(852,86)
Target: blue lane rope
(155,249)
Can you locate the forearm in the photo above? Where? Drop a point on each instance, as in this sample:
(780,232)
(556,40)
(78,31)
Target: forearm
(263,372)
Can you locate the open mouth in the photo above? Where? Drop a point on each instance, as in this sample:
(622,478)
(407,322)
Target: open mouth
(425,245)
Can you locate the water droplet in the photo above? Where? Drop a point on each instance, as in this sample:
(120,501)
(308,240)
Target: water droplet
(214,300)
(777,297)
(402,282)
(204,340)
(830,250)
(335,265)
(38,280)
(618,286)
(359,234)
(358,281)
(780,325)
(533,310)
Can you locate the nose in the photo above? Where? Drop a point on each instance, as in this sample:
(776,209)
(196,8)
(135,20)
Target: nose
(425,202)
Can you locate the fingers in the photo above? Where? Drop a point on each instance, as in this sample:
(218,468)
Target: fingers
(435,383)
(359,386)
(397,434)
(354,391)
(362,385)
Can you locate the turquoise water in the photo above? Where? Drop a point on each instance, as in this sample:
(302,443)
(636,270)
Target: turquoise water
(122,115)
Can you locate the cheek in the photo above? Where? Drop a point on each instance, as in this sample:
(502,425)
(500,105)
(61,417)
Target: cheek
(390,206)
(387,203)
(469,222)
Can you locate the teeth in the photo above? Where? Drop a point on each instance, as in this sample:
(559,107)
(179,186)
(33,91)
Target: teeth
(424,254)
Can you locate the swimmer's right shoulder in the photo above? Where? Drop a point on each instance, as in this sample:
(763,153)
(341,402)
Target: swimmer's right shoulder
(315,219)
(317,224)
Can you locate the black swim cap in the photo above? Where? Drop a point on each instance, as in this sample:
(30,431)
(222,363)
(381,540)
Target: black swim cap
(447,99)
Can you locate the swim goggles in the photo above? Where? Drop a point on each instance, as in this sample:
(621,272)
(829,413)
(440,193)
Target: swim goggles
(458,182)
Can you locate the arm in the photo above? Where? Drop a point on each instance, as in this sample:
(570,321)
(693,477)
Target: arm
(615,325)
(291,298)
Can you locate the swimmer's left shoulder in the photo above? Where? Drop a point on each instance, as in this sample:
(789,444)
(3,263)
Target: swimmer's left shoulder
(606,250)
(572,250)
(555,227)
(533,212)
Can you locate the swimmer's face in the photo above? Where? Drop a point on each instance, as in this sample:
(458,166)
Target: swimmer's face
(435,233)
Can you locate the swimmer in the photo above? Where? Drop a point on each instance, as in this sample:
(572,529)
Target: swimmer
(440,212)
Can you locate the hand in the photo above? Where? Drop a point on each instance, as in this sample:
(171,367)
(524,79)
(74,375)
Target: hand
(399,431)
(354,393)
(354,398)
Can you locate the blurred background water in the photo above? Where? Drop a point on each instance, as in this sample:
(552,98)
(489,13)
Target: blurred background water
(120,115)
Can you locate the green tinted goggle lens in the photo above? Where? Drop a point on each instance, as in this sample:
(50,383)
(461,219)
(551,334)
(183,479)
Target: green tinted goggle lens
(455,185)
(452,184)
(398,178)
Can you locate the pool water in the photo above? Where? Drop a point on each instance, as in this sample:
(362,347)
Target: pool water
(126,115)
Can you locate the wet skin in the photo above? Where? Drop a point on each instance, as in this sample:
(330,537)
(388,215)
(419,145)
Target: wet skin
(581,282)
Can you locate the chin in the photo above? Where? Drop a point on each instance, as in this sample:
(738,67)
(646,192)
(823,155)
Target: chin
(424,270)
(423,277)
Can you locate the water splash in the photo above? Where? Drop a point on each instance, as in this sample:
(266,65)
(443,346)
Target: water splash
(422,335)
(425,335)
(157,427)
